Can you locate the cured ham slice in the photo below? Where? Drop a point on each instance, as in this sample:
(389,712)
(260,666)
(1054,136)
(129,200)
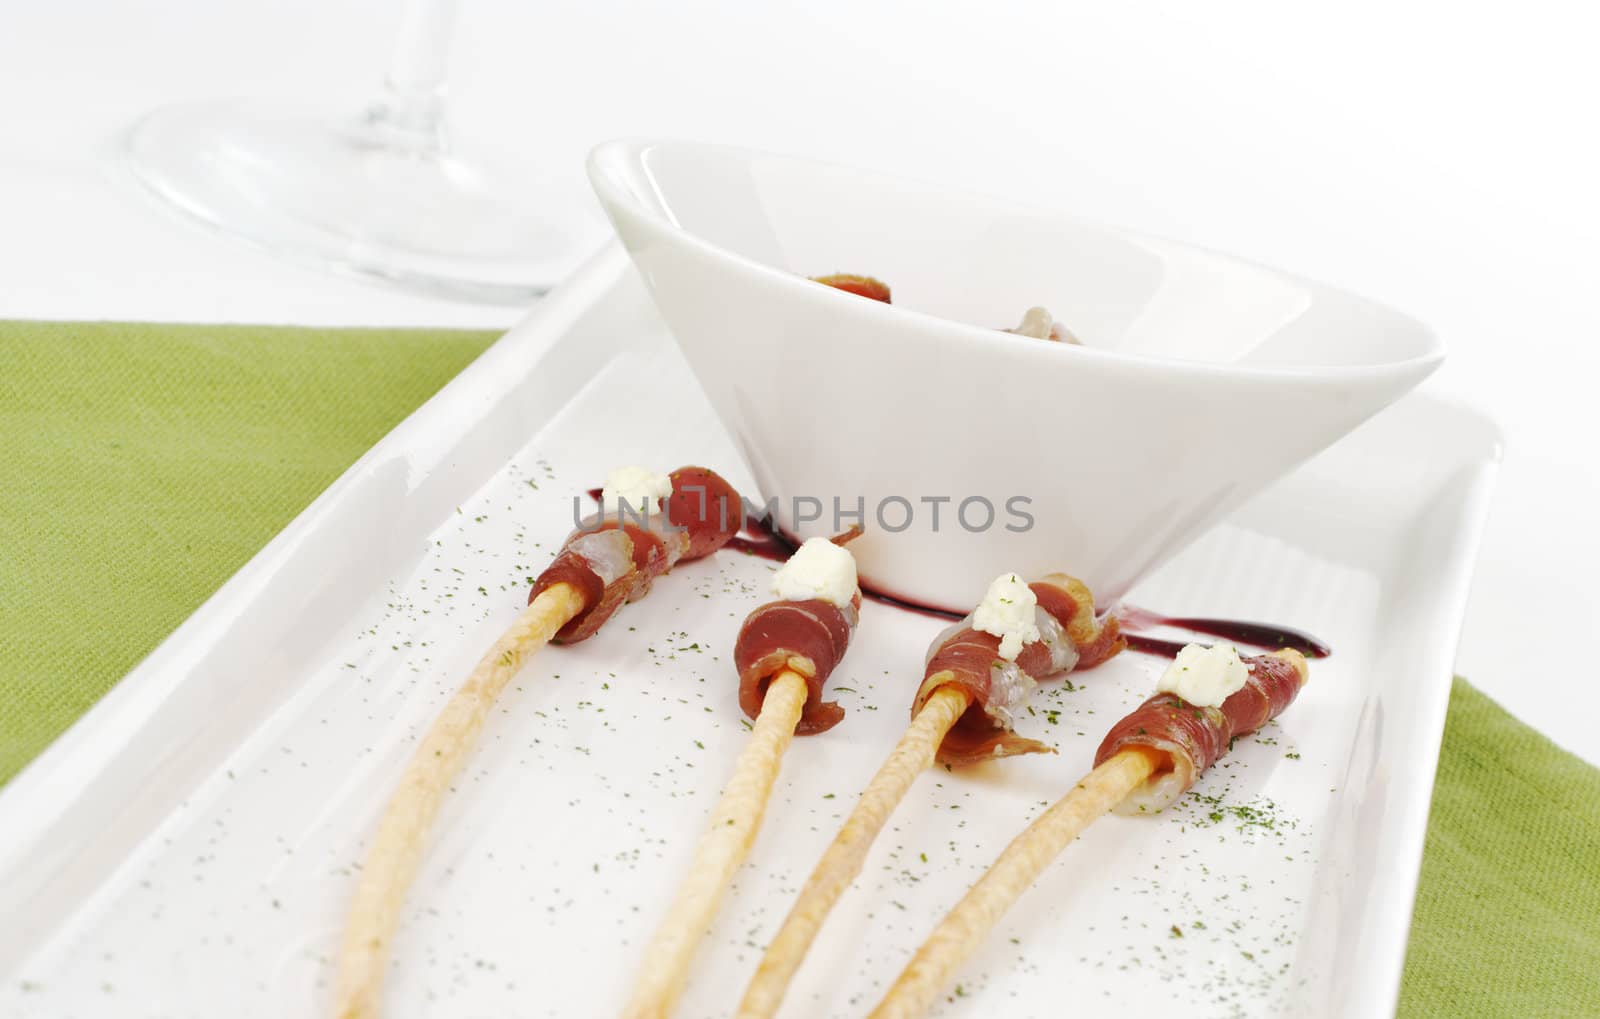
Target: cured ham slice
(861,286)
(1182,740)
(706,507)
(614,558)
(808,637)
(1070,636)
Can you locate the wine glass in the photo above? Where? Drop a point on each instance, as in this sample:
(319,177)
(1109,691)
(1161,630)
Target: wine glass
(381,194)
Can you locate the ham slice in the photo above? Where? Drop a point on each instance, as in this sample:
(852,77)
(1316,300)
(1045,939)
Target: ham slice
(612,560)
(706,507)
(808,637)
(861,286)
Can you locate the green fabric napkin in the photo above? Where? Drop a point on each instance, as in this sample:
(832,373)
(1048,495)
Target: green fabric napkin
(1507,920)
(141,465)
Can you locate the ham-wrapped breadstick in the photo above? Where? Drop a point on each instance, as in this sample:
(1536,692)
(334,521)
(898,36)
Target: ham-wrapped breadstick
(807,637)
(785,652)
(647,524)
(977,678)
(615,556)
(1208,698)
(1183,738)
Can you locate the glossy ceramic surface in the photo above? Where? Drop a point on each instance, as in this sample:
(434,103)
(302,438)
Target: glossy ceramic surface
(1202,378)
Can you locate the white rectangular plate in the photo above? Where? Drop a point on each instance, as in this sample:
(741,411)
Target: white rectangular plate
(187,849)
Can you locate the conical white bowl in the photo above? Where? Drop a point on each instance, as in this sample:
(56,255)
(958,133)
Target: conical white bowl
(1202,379)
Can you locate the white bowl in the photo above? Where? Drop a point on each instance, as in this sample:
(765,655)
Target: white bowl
(1202,378)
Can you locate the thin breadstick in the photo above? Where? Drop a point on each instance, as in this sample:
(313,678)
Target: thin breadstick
(935,963)
(732,828)
(402,834)
(844,857)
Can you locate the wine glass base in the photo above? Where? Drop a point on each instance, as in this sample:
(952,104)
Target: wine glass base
(353,196)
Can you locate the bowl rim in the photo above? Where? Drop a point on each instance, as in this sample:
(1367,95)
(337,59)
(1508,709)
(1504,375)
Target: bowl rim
(628,154)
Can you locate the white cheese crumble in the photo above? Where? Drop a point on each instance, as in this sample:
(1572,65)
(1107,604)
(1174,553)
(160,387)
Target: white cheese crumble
(1205,676)
(1007,612)
(637,488)
(818,569)
(1039,324)
(1036,323)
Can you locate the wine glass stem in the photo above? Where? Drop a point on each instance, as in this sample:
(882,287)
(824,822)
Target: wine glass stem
(410,111)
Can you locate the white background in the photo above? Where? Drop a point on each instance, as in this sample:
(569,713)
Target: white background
(1441,159)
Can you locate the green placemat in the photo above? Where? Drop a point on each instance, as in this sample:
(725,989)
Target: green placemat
(141,465)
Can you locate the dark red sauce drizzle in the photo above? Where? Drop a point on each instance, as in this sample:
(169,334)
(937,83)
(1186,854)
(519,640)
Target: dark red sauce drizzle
(1152,645)
(1267,635)
(762,545)
(759,538)
(920,609)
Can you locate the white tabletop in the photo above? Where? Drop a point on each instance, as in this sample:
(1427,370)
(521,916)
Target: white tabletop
(1440,161)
